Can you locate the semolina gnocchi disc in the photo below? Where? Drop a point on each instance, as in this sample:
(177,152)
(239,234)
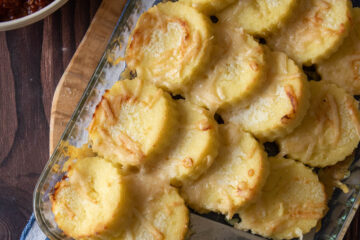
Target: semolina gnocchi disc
(91,202)
(279,106)
(292,202)
(195,146)
(343,67)
(158,211)
(132,122)
(235,72)
(170,44)
(235,178)
(258,17)
(315,31)
(330,130)
(208,6)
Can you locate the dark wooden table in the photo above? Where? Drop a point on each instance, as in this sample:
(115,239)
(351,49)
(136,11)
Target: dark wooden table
(32,60)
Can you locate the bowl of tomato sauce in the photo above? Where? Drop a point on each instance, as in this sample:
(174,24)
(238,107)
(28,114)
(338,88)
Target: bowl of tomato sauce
(19,13)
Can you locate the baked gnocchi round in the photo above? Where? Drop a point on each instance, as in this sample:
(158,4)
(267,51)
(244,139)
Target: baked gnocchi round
(279,106)
(132,122)
(316,29)
(329,132)
(234,180)
(170,44)
(292,202)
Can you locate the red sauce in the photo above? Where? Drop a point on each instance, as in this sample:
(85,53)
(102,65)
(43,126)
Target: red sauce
(12,9)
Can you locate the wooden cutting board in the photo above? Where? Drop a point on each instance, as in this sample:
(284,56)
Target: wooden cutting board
(81,67)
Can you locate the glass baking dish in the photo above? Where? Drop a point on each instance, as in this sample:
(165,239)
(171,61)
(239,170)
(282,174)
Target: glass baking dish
(342,207)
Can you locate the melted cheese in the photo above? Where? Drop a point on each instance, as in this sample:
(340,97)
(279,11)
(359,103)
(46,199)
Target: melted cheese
(169,45)
(194,148)
(316,30)
(91,201)
(329,132)
(258,17)
(279,106)
(292,202)
(235,178)
(132,122)
(157,210)
(235,72)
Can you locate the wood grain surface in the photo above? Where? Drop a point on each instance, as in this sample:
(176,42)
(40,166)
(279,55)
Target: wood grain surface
(32,61)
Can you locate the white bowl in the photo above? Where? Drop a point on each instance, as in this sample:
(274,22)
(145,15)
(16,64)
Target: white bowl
(34,17)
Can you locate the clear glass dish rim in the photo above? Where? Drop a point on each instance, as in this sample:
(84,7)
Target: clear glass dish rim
(70,125)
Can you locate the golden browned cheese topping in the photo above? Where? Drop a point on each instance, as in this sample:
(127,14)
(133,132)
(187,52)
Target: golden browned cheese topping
(91,200)
(330,130)
(194,148)
(278,106)
(315,30)
(258,17)
(343,67)
(236,177)
(132,122)
(157,211)
(170,44)
(153,41)
(236,70)
(293,200)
